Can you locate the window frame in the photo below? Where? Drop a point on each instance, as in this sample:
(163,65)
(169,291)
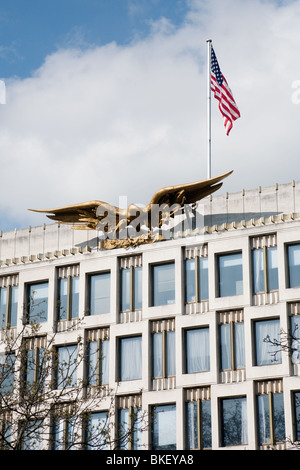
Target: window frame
(200,424)
(271,415)
(132,288)
(266,271)
(152,268)
(254,336)
(28,318)
(6,320)
(69,314)
(288,270)
(164,353)
(185,333)
(119,357)
(221,414)
(89,290)
(153,418)
(218,273)
(233,349)
(197,280)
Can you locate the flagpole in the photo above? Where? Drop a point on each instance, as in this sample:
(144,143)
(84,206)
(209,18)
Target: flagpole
(208,108)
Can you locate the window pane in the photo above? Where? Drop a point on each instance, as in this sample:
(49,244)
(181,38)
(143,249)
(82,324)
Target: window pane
(258,271)
(138,276)
(279,422)
(203,265)
(171,368)
(33,435)
(206,424)
(297,414)
(157,355)
(264,351)
(97,431)
(225,347)
(191,425)
(239,345)
(263,419)
(92,362)
(197,350)
(75,297)
(134,434)
(234,414)
(14,306)
(164,427)
(164,284)
(123,428)
(105,361)
(272,260)
(67,366)
(125,290)
(3,302)
(230,275)
(63,298)
(7,373)
(294,265)
(100,293)
(295,338)
(190,288)
(131,358)
(38,302)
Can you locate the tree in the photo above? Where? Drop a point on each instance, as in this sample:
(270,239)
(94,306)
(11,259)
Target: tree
(45,405)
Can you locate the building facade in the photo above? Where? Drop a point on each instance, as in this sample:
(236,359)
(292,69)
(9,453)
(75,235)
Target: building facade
(186,326)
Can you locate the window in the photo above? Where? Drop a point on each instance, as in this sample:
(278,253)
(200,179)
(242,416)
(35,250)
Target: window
(163,284)
(232,340)
(99,293)
(230,270)
(8,305)
(265,269)
(97,431)
(131,289)
(35,364)
(293,252)
(295,338)
(234,421)
(98,357)
(130,423)
(65,434)
(270,415)
(32,435)
(37,302)
(7,373)
(164,427)
(130,358)
(163,348)
(296,410)
(68,293)
(266,352)
(197,350)
(196,279)
(66,366)
(198,419)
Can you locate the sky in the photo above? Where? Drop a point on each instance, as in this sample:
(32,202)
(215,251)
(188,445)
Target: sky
(107,99)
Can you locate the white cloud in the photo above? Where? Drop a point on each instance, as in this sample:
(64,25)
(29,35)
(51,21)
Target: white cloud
(115,120)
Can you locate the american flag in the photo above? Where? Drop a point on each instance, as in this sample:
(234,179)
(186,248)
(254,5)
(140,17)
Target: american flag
(223,94)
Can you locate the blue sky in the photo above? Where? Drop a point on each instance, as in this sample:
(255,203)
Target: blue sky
(107,99)
(32,29)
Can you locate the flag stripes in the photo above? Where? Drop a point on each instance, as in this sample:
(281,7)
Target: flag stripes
(223,94)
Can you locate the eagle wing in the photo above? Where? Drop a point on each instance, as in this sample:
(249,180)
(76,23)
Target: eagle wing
(82,216)
(188,193)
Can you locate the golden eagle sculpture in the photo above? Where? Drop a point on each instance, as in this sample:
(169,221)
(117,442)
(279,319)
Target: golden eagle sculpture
(99,215)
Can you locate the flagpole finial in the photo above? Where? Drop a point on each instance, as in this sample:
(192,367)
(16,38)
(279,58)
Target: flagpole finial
(208,40)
